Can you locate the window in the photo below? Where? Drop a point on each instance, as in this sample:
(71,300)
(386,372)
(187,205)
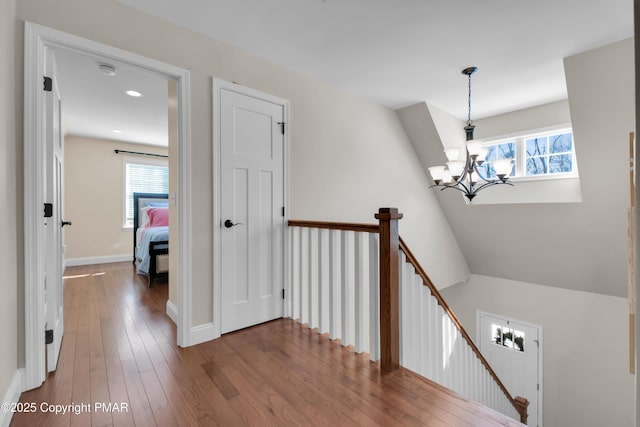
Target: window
(507,337)
(501,150)
(142,177)
(543,154)
(549,154)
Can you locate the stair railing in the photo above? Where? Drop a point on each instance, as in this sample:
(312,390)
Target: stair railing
(428,322)
(333,287)
(360,284)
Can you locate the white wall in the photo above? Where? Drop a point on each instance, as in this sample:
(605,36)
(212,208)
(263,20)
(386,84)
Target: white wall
(580,246)
(348,156)
(8,201)
(419,122)
(541,116)
(93,197)
(585,340)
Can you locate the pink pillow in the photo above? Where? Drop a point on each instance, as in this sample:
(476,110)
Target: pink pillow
(158,217)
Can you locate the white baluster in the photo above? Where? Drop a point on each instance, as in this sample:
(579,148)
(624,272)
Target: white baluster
(310,293)
(292,271)
(465,360)
(477,366)
(424,325)
(319,290)
(430,338)
(292,292)
(416,327)
(434,342)
(410,325)
(344,286)
(333,284)
(304,286)
(374,302)
(403,306)
(358,275)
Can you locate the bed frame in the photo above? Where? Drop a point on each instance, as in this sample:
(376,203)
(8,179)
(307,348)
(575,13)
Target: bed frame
(156,249)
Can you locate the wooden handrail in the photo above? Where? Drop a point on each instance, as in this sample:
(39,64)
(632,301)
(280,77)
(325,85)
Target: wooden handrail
(346,226)
(519,403)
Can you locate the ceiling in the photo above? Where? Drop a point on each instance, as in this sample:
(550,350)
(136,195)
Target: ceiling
(395,53)
(95,104)
(401,52)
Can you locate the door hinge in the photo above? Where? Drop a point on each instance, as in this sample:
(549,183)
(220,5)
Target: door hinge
(48,210)
(283,293)
(48,336)
(283,211)
(48,84)
(282,124)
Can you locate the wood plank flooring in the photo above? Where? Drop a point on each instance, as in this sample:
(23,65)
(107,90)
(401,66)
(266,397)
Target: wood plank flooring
(119,349)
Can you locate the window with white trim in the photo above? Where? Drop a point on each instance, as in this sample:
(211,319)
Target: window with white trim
(507,337)
(142,176)
(549,154)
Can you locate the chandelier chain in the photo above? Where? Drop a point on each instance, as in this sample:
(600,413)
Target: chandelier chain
(469,102)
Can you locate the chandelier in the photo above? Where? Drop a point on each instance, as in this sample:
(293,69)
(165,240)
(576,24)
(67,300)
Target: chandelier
(466,176)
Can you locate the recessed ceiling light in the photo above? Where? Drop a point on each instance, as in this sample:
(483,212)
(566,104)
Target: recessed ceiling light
(134,93)
(108,69)
(116,131)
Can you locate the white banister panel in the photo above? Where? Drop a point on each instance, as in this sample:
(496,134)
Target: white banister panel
(333,285)
(432,346)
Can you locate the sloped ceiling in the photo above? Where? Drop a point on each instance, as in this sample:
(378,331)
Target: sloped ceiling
(579,246)
(406,53)
(401,52)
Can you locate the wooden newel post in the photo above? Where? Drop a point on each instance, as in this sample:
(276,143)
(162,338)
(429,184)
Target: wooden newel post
(389,292)
(522,404)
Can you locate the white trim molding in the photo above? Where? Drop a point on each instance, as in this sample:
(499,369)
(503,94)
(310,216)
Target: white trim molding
(203,333)
(37,39)
(11,396)
(172,312)
(105,259)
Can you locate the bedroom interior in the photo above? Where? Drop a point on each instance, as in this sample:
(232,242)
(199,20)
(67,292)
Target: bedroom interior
(341,141)
(90,145)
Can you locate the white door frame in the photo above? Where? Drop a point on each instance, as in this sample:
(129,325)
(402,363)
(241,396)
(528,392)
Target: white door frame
(540,352)
(218,85)
(36,38)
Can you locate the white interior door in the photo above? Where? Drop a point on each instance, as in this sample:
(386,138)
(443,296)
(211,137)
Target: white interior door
(512,349)
(252,204)
(53,296)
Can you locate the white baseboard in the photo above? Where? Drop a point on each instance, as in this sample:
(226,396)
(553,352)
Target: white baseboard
(172,312)
(202,333)
(71,262)
(12,395)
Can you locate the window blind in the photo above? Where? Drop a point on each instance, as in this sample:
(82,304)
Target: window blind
(143,178)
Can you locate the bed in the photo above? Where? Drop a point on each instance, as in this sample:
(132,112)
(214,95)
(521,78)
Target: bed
(151,235)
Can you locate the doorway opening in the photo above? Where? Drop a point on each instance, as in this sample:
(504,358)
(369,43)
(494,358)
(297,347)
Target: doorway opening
(38,39)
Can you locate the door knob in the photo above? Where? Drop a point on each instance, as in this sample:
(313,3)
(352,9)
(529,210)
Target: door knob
(228,223)
(66,223)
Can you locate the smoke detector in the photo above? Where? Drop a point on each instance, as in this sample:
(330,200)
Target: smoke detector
(108,69)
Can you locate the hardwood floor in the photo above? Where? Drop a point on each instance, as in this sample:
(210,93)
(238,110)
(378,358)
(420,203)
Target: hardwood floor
(119,349)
